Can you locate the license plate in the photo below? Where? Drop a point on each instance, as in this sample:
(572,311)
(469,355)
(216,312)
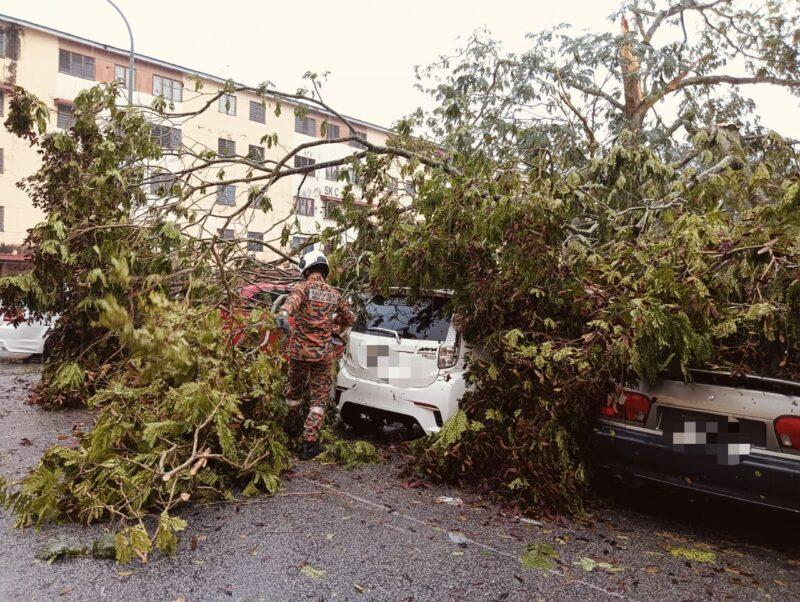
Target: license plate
(722,437)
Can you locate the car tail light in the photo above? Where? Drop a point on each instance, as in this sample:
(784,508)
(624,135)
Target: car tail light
(787,428)
(632,407)
(448,355)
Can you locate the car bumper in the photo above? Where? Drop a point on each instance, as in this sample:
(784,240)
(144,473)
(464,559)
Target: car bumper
(12,352)
(759,477)
(430,406)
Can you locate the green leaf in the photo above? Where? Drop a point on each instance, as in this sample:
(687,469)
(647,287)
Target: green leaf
(539,556)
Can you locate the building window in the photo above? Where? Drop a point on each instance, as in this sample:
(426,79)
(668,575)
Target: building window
(227,104)
(65,119)
(305,125)
(2,160)
(161,185)
(2,44)
(356,143)
(353,177)
(332,173)
(299,242)
(303,206)
(226,195)
(329,209)
(226,148)
(300,161)
(121,74)
(2,219)
(75,64)
(255,153)
(226,234)
(167,137)
(332,132)
(255,241)
(170,89)
(258,112)
(2,103)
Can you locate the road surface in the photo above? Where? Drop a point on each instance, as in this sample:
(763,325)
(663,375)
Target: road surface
(366,535)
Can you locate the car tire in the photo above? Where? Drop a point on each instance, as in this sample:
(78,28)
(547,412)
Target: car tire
(358,418)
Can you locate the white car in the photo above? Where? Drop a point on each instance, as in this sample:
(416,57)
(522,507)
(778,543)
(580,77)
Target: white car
(24,340)
(404,360)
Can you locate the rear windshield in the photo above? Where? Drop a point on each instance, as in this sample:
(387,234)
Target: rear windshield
(424,320)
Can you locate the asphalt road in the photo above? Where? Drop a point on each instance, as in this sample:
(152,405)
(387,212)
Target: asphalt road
(366,535)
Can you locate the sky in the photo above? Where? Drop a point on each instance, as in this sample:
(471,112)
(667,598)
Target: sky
(370,47)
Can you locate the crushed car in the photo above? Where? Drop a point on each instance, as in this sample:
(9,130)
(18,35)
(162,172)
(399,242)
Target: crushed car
(732,436)
(405,360)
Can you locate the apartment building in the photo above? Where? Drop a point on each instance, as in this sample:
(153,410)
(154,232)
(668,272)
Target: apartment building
(56,66)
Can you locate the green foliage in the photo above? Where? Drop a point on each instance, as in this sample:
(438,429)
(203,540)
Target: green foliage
(584,256)
(141,338)
(350,454)
(694,555)
(539,556)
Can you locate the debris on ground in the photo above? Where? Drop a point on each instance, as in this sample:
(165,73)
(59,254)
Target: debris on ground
(694,554)
(350,454)
(590,564)
(57,549)
(450,501)
(312,572)
(539,556)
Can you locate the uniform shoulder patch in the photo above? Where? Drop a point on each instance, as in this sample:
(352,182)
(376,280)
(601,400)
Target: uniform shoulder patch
(323,296)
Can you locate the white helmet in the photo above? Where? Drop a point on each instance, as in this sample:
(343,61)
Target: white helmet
(313,259)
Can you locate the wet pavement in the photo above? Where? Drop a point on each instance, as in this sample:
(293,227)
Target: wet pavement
(333,534)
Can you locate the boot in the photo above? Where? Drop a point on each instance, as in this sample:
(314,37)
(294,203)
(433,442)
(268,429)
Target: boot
(309,450)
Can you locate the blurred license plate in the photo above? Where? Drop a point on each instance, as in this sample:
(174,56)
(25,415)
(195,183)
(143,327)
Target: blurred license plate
(698,433)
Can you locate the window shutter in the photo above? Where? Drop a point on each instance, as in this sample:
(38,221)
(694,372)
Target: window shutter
(157,85)
(63,61)
(258,112)
(88,67)
(176,138)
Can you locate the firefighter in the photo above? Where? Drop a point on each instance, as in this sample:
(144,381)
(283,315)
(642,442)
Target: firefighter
(313,303)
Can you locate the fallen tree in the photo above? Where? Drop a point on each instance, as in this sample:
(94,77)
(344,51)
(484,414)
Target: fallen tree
(590,242)
(150,332)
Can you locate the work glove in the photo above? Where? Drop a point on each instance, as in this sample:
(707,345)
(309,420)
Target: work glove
(282,322)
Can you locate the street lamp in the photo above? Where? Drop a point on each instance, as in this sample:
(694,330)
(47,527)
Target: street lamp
(130,68)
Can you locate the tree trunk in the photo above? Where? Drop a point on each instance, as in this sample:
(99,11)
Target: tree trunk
(629,64)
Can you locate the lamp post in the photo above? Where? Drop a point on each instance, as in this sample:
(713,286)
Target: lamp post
(130,68)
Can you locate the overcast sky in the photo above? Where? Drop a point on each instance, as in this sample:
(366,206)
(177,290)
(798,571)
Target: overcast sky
(370,47)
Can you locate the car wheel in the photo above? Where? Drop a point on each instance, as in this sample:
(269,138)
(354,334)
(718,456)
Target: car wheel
(358,418)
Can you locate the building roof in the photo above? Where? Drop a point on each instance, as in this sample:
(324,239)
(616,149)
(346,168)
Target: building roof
(165,64)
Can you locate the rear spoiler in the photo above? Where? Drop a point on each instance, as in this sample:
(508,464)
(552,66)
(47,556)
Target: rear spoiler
(746,381)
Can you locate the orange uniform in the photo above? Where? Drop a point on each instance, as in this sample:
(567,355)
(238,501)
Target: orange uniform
(313,304)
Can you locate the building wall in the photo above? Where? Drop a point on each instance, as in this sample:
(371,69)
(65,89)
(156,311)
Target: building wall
(33,63)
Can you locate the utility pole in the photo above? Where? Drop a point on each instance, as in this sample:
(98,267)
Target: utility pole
(131,65)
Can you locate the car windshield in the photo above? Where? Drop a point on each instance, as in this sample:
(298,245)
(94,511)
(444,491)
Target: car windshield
(424,320)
